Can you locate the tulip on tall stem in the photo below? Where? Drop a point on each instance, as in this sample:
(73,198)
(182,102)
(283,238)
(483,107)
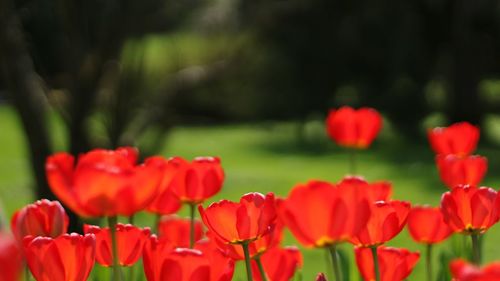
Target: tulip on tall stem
(116,267)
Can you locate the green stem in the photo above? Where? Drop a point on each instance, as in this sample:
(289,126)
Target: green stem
(476,250)
(26,272)
(352,161)
(261,268)
(117,275)
(428,262)
(335,262)
(375,263)
(157,223)
(247,260)
(191,229)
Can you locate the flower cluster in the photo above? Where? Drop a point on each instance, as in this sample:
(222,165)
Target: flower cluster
(320,214)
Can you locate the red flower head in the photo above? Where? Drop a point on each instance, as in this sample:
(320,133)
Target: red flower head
(386,221)
(255,248)
(177,230)
(221,266)
(459,139)
(166,202)
(321,277)
(353,128)
(198,180)
(279,264)
(42,218)
(395,264)
(464,271)
(69,257)
(468,209)
(320,214)
(250,219)
(163,263)
(426,225)
(130,239)
(104,182)
(10,258)
(455,170)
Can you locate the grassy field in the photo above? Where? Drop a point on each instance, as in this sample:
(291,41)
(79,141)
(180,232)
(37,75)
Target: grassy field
(268,158)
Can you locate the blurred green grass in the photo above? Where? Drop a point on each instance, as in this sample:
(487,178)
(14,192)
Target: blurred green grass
(268,158)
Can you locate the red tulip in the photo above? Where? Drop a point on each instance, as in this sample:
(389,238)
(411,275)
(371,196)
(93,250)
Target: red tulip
(221,266)
(468,209)
(455,170)
(177,230)
(42,218)
(279,264)
(130,242)
(353,128)
(199,180)
(104,182)
(464,271)
(395,264)
(250,219)
(69,257)
(255,248)
(166,202)
(459,139)
(426,225)
(163,263)
(320,214)
(10,259)
(386,221)
(356,187)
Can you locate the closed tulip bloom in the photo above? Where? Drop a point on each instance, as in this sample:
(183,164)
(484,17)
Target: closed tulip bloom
(42,218)
(459,139)
(455,170)
(104,182)
(356,188)
(386,221)
(130,243)
(221,265)
(256,247)
(200,180)
(463,271)
(10,258)
(353,128)
(176,230)
(163,263)
(426,225)
(167,202)
(395,264)
(241,222)
(280,264)
(69,257)
(321,277)
(470,210)
(320,214)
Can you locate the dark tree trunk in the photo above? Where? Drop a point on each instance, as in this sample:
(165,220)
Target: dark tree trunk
(27,95)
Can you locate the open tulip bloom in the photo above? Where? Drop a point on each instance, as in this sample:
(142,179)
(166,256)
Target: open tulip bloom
(472,211)
(395,264)
(241,222)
